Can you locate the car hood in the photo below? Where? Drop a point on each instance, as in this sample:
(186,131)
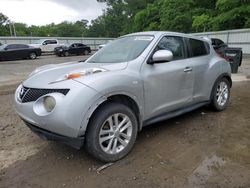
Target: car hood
(48,75)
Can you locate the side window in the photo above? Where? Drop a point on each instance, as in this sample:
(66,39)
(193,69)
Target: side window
(53,42)
(23,46)
(198,48)
(46,42)
(174,44)
(11,46)
(219,42)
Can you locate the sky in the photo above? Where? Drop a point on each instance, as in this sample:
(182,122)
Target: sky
(42,12)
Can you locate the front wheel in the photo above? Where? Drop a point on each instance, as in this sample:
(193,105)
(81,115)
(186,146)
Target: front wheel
(112,132)
(66,54)
(220,95)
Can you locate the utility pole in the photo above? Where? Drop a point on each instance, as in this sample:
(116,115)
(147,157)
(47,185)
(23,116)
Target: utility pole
(9,22)
(14,29)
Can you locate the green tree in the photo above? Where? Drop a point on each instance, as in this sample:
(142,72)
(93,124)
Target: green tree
(201,23)
(176,15)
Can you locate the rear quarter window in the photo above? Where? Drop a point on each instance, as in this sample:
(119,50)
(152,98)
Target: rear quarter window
(198,48)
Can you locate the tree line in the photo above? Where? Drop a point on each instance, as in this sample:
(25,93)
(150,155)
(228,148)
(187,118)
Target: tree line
(126,16)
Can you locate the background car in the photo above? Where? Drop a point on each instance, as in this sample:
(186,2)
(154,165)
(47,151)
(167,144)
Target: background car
(18,51)
(73,49)
(46,45)
(231,54)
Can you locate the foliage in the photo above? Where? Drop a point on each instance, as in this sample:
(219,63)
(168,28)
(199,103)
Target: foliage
(126,16)
(201,23)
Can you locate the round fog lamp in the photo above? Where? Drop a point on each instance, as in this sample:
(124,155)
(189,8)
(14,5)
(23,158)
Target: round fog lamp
(49,103)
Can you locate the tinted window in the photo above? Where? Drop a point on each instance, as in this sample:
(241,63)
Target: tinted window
(80,44)
(11,46)
(50,42)
(173,44)
(217,42)
(22,46)
(53,42)
(17,46)
(198,48)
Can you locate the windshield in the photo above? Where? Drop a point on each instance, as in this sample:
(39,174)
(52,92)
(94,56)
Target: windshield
(122,50)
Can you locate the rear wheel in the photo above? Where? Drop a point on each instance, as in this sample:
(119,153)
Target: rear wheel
(32,55)
(85,52)
(112,132)
(221,94)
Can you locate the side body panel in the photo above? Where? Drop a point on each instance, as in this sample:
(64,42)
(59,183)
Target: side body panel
(166,86)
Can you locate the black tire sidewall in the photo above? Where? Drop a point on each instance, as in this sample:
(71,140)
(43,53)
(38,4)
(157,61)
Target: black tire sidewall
(214,102)
(92,136)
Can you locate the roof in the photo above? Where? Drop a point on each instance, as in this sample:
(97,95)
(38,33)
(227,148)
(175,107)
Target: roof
(159,33)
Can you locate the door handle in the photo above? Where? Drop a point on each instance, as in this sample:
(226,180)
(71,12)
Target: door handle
(188,69)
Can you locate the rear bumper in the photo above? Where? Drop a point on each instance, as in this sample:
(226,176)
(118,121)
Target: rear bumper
(47,135)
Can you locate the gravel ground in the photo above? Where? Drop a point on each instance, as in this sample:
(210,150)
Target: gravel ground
(199,149)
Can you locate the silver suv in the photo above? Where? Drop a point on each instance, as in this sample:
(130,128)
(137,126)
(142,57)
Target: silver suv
(134,81)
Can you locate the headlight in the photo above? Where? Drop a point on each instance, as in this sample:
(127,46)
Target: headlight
(49,103)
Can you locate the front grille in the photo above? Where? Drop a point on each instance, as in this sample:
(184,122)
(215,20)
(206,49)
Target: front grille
(32,94)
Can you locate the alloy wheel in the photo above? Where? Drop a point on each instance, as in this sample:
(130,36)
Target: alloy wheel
(115,133)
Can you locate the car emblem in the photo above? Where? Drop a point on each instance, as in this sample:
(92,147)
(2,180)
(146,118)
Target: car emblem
(22,92)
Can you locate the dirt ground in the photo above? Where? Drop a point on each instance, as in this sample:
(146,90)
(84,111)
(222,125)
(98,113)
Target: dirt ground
(199,149)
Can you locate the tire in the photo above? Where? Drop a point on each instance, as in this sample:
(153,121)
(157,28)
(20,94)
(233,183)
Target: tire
(96,142)
(220,86)
(85,52)
(66,54)
(32,55)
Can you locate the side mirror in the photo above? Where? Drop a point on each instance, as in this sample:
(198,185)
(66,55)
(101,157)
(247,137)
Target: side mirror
(161,56)
(44,43)
(6,48)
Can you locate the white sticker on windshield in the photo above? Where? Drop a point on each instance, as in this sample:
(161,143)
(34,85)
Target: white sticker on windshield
(149,38)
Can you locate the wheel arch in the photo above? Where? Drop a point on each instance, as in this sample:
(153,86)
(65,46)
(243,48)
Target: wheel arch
(224,75)
(124,99)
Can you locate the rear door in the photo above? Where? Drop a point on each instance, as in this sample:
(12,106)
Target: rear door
(22,50)
(74,49)
(199,55)
(168,86)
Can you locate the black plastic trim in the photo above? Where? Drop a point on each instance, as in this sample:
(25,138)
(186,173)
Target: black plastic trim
(174,113)
(76,143)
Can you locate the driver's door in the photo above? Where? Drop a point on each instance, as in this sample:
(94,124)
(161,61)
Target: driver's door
(168,86)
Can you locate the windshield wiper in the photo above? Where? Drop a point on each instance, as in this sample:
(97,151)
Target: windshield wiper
(83,60)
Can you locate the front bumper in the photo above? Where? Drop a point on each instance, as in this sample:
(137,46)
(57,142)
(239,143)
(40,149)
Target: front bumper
(47,135)
(67,117)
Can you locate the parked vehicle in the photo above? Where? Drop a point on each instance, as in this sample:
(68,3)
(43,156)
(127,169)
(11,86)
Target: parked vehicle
(137,80)
(18,51)
(73,49)
(46,45)
(102,45)
(233,55)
